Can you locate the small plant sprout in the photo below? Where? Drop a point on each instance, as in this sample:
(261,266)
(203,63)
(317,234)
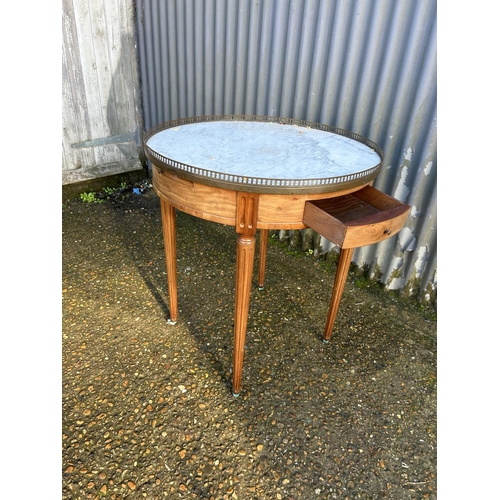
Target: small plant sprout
(90,198)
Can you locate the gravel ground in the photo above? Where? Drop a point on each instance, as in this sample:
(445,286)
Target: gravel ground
(147,407)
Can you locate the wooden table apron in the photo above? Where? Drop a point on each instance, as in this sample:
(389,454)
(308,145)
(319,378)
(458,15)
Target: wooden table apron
(247,212)
(246,208)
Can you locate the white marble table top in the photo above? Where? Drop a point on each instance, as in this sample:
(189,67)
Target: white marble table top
(268,153)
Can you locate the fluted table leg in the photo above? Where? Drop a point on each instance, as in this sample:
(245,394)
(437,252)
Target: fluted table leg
(168,223)
(246,227)
(264,234)
(338,288)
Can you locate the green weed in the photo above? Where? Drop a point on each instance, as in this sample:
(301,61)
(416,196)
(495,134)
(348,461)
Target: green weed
(90,198)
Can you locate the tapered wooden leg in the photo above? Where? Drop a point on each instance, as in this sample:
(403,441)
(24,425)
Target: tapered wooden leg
(264,234)
(344,261)
(169,238)
(244,265)
(246,227)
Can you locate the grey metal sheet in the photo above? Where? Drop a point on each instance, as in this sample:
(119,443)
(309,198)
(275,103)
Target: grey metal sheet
(364,66)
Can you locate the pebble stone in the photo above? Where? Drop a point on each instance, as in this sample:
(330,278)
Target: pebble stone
(147,406)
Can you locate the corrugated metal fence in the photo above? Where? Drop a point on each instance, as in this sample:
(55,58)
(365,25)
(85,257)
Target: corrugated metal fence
(365,66)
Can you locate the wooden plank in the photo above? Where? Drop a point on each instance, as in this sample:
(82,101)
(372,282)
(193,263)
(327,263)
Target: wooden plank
(100,85)
(103,66)
(75,116)
(86,27)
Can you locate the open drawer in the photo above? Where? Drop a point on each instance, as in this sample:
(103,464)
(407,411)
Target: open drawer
(354,220)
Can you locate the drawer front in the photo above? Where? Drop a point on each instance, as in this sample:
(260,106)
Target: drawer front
(361,218)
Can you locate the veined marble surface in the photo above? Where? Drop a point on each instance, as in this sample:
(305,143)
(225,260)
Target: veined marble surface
(265,150)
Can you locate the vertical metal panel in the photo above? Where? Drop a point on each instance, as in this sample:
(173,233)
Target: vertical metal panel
(368,67)
(101,94)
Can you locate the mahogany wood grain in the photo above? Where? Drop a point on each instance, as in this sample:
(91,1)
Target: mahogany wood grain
(338,289)
(349,218)
(376,229)
(206,202)
(245,249)
(285,211)
(362,218)
(169,238)
(264,235)
(276,211)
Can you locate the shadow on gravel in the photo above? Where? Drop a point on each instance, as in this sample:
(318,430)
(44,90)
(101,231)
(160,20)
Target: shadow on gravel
(147,407)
